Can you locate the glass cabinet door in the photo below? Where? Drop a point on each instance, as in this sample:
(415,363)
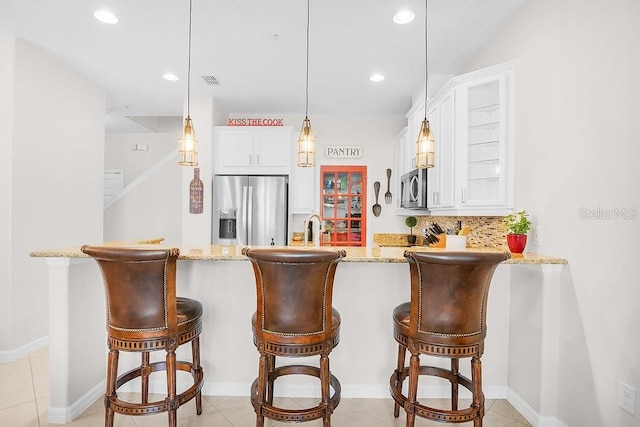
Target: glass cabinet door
(344,205)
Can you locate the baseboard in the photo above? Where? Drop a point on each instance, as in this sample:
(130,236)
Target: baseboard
(25,350)
(68,414)
(363,391)
(530,414)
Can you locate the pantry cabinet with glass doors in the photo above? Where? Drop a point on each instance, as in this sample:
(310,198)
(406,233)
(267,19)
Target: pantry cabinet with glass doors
(344,205)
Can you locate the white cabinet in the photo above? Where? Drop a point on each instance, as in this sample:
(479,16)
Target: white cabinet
(440,178)
(302,190)
(414,122)
(252,150)
(484,139)
(472,122)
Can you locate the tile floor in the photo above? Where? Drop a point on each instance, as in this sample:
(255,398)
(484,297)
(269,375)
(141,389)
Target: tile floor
(24,391)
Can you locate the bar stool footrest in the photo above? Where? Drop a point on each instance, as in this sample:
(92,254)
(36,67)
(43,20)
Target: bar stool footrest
(296,415)
(435,414)
(133,408)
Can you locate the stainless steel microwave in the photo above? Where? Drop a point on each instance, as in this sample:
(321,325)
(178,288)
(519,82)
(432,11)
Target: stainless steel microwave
(413,189)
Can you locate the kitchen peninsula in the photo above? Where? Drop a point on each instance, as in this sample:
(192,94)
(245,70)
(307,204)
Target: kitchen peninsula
(369,283)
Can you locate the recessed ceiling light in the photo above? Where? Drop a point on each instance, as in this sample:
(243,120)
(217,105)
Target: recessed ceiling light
(376,78)
(403,17)
(105,16)
(170,76)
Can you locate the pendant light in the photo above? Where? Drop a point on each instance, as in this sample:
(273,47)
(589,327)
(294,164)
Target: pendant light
(188,144)
(425,144)
(306,140)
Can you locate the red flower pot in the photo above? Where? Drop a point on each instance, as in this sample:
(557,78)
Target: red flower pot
(516,242)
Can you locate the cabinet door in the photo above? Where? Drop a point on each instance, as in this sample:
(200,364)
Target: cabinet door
(344,205)
(433,174)
(413,129)
(483,122)
(271,148)
(301,188)
(446,153)
(252,150)
(440,181)
(234,149)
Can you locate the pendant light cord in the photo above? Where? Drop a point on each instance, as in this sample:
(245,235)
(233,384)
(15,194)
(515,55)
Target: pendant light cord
(426,61)
(306,108)
(189,63)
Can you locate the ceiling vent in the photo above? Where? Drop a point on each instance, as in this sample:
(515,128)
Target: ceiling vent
(211,81)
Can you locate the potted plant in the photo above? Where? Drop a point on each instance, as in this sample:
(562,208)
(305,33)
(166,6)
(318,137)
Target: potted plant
(517,225)
(411,222)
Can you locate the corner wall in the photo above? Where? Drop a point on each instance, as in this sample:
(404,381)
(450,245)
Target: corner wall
(576,172)
(53,191)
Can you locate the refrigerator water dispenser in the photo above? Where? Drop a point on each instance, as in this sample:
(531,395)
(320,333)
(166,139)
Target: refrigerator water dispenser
(227,224)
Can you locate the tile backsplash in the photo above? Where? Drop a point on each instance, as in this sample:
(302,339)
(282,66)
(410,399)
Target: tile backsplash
(486,231)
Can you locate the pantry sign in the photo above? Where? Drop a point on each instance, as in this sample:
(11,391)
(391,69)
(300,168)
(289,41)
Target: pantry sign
(343,151)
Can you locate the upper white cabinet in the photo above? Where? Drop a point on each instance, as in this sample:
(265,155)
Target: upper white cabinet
(252,150)
(440,178)
(472,122)
(302,190)
(484,139)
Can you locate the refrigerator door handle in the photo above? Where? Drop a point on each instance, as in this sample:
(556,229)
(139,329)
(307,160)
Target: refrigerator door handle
(249,217)
(243,211)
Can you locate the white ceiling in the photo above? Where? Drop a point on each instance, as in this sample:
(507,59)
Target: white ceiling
(256,50)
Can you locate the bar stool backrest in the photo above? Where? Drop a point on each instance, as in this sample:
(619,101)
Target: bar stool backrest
(294,290)
(140,286)
(449,293)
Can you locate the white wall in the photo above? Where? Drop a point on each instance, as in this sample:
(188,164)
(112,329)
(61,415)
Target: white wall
(119,154)
(7,60)
(151,209)
(54,189)
(375,134)
(576,139)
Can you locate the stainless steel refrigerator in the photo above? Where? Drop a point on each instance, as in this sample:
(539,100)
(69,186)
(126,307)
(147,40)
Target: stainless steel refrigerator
(249,210)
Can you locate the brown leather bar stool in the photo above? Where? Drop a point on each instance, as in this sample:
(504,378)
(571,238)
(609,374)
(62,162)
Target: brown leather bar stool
(294,318)
(446,317)
(144,315)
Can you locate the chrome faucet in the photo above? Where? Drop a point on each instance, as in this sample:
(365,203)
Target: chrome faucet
(316,236)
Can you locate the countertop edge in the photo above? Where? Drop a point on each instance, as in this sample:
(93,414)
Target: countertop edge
(354,254)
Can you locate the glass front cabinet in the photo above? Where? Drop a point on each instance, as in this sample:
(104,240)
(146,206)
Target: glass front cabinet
(344,205)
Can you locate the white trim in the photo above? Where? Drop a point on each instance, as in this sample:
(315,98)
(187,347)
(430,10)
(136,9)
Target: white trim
(172,156)
(68,414)
(22,351)
(530,414)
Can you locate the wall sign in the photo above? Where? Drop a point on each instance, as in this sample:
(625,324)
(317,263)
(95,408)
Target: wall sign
(343,151)
(255,121)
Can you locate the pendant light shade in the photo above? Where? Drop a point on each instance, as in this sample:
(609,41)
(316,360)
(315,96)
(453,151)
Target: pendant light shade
(306,145)
(188,144)
(425,144)
(306,140)
(425,147)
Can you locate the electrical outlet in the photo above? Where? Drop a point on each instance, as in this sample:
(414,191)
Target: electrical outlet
(627,397)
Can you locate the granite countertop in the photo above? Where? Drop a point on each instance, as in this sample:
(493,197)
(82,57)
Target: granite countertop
(354,254)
